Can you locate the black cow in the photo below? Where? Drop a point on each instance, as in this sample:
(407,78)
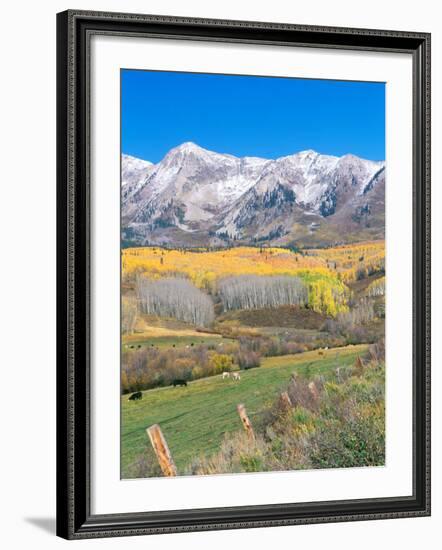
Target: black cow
(179,383)
(135,396)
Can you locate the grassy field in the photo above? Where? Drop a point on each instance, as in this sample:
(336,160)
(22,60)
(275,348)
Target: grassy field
(175,341)
(164,333)
(195,419)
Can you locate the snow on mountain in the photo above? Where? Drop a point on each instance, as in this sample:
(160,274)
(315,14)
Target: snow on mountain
(350,177)
(134,172)
(192,184)
(311,167)
(201,177)
(197,191)
(133,169)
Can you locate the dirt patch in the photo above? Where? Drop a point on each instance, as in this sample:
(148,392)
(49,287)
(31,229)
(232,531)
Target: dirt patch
(284,316)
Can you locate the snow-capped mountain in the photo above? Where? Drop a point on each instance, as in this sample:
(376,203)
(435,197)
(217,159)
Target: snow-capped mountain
(199,197)
(133,170)
(133,173)
(192,184)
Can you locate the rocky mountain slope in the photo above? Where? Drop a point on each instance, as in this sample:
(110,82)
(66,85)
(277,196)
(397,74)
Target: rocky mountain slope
(196,197)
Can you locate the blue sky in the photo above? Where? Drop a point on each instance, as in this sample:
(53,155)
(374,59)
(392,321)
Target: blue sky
(250,116)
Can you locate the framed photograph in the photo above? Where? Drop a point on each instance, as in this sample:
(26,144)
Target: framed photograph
(243,274)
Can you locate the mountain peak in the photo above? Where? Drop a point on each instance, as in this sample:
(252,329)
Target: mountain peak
(135,160)
(307,153)
(195,190)
(188,147)
(352,159)
(188,151)
(350,156)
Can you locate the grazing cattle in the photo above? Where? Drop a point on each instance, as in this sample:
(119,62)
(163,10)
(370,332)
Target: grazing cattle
(178,382)
(131,347)
(139,346)
(135,396)
(236,376)
(320,353)
(226,375)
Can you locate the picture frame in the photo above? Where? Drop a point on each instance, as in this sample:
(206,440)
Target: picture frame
(75,519)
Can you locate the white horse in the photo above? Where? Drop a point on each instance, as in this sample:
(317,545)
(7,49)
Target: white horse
(236,376)
(226,375)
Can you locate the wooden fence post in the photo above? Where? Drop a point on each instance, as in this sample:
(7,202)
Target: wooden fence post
(313,391)
(161,449)
(245,420)
(338,374)
(285,400)
(359,365)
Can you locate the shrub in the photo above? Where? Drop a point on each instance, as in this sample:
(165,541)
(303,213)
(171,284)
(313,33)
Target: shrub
(302,394)
(351,324)
(360,441)
(376,351)
(221,363)
(146,465)
(152,367)
(184,367)
(248,359)
(238,453)
(339,424)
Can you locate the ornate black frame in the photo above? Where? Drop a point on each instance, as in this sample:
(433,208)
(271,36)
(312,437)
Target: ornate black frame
(74,29)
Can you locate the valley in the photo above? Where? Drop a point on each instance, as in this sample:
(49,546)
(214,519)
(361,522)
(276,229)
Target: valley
(268,271)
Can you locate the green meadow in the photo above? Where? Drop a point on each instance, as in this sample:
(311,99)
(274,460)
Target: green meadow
(195,419)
